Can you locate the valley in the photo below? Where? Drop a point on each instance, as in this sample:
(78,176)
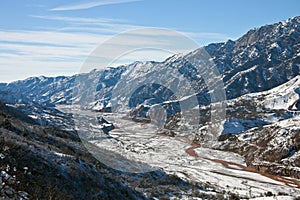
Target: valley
(178,156)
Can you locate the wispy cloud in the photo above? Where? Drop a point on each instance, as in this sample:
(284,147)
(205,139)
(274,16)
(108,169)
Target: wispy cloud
(51,38)
(78,19)
(33,53)
(62,50)
(81,6)
(94,25)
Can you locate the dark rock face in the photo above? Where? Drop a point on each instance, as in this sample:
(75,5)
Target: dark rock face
(297,105)
(229,136)
(106,126)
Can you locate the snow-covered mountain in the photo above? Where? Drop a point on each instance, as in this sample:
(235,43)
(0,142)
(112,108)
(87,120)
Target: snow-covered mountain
(260,60)
(267,107)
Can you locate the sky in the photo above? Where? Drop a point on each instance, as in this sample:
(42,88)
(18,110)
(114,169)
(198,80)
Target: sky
(51,38)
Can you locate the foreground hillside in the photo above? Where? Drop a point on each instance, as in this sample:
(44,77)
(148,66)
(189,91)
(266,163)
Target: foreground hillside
(45,162)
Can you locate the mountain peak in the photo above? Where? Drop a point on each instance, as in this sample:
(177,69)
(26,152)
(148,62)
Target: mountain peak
(271,32)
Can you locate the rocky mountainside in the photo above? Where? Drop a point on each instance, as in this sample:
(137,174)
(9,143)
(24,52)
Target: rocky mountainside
(267,124)
(261,59)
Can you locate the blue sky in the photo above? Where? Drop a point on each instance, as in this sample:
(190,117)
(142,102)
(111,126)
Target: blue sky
(39,37)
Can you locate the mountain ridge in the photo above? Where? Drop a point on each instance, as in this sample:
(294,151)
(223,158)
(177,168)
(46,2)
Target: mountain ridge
(272,60)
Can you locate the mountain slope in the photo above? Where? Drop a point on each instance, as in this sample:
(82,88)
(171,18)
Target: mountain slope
(264,127)
(260,60)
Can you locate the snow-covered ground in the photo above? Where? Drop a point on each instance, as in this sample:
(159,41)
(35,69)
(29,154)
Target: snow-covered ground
(140,143)
(280,97)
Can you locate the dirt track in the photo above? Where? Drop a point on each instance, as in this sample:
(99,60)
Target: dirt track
(191,151)
(290,182)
